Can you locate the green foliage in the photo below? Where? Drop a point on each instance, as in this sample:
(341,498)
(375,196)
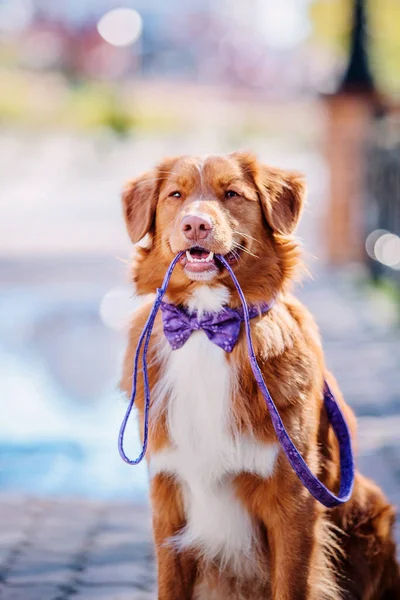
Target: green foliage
(92,105)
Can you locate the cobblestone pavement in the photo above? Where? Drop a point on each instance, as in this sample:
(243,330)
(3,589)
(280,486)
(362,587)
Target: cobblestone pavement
(60,549)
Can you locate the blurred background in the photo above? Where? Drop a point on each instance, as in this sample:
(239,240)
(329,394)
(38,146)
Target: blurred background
(94,92)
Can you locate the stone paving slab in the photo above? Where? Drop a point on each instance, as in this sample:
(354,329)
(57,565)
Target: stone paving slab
(112,593)
(47,592)
(33,592)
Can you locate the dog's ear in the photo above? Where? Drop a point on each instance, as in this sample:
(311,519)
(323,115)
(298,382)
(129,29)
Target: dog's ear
(281,192)
(139,201)
(282,196)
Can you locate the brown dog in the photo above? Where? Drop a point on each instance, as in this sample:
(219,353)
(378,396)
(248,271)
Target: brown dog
(230,517)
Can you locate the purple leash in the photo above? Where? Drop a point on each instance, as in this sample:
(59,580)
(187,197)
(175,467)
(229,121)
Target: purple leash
(316,488)
(144,337)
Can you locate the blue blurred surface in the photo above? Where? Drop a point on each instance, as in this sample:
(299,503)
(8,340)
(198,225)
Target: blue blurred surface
(59,401)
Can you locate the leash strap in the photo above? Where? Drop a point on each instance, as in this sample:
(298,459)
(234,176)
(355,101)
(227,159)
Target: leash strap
(316,488)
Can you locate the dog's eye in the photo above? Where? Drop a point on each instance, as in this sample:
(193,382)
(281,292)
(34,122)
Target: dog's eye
(175,194)
(231,194)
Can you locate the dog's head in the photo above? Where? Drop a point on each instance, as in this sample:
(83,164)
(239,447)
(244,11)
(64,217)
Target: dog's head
(230,205)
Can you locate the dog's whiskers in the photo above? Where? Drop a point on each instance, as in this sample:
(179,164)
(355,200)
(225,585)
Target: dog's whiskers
(245,235)
(236,255)
(244,249)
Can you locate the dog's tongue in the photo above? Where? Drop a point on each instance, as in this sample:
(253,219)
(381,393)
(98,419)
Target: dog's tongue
(199,252)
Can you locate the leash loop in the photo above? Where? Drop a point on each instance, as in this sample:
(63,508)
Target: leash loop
(316,488)
(144,338)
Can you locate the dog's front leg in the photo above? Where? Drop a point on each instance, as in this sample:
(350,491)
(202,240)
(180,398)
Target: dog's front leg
(176,570)
(291,546)
(290,519)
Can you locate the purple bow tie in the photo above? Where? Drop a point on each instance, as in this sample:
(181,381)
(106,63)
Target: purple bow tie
(222,328)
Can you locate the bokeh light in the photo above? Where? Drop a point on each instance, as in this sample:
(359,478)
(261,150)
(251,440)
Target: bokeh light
(286,24)
(371,240)
(387,249)
(383,246)
(120,27)
(116,308)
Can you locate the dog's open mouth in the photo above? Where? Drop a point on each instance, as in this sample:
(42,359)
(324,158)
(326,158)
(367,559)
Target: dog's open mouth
(200,260)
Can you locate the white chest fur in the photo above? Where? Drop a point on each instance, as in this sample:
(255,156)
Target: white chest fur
(205,454)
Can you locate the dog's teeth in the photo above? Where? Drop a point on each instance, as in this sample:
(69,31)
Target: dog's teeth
(192,259)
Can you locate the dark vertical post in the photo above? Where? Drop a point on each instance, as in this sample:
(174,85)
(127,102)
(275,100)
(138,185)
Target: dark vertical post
(357,77)
(349,112)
